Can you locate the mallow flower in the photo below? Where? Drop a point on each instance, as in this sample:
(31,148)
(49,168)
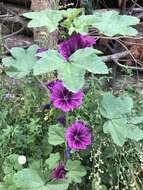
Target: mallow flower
(64,99)
(77,41)
(59,172)
(78,136)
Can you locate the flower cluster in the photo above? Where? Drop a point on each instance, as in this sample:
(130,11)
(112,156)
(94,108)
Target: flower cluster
(78,135)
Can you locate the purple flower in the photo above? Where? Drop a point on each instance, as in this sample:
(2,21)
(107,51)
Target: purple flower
(78,136)
(64,99)
(78,41)
(62,120)
(59,172)
(40,50)
(51,84)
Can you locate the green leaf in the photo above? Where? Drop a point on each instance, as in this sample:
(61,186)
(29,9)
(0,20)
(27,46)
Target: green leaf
(71,72)
(8,181)
(81,24)
(53,160)
(115,107)
(22,62)
(72,13)
(136,120)
(111,23)
(11,164)
(56,135)
(87,59)
(72,76)
(134,132)
(2,187)
(120,127)
(48,18)
(28,179)
(50,61)
(62,185)
(117,129)
(120,131)
(75,171)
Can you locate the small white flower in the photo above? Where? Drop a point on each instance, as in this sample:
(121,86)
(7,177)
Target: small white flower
(22,160)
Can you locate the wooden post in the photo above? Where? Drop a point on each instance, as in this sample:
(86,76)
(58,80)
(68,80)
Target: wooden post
(41,36)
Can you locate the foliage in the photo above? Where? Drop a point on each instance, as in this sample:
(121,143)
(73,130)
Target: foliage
(71,72)
(21,62)
(48,18)
(120,25)
(119,125)
(56,135)
(75,171)
(30,125)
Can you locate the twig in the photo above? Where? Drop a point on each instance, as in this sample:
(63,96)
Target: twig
(13,34)
(128,67)
(115,56)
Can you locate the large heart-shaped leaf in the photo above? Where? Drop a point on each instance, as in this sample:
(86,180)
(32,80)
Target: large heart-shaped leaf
(48,18)
(22,62)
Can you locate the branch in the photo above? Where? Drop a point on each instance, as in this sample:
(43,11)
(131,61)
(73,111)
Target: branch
(115,56)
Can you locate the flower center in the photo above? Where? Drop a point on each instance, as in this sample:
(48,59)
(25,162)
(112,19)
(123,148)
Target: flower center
(66,97)
(77,138)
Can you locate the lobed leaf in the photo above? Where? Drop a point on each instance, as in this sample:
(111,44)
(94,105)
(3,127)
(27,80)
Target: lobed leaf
(53,160)
(48,18)
(56,135)
(22,62)
(71,72)
(88,60)
(75,171)
(135,120)
(115,107)
(120,131)
(28,178)
(109,23)
(50,61)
